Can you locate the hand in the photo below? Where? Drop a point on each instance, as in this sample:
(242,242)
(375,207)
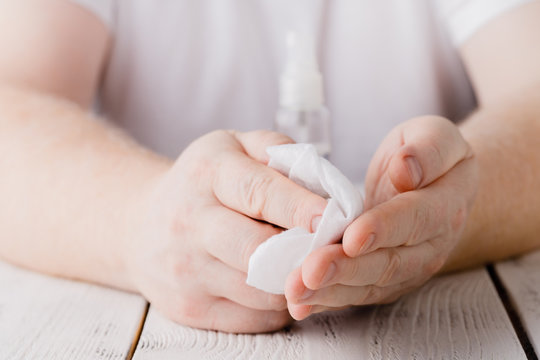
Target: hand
(420,187)
(199,223)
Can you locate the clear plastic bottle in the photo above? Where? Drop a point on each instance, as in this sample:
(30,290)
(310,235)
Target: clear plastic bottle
(306,126)
(302,114)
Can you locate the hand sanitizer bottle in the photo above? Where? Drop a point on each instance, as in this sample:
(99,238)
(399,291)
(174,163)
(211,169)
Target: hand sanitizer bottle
(302,114)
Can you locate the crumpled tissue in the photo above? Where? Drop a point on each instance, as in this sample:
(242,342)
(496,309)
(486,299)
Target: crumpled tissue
(274,259)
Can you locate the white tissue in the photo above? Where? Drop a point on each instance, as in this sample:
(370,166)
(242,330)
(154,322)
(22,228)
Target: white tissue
(274,259)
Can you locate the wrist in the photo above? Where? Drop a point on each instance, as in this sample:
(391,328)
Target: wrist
(134,221)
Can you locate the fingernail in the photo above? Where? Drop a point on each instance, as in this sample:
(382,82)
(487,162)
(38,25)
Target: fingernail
(415,171)
(307,294)
(330,272)
(367,244)
(315,223)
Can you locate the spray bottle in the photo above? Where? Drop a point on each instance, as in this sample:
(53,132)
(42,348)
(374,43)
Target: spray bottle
(302,114)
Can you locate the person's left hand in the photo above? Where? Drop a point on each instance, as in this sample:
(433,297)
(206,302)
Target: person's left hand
(420,187)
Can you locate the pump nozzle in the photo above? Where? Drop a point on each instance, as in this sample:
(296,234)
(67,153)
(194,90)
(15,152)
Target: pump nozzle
(301,85)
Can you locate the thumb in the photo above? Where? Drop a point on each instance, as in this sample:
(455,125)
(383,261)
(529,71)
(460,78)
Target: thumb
(431,146)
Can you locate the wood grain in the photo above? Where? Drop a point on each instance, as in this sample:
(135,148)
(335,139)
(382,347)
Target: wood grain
(521,278)
(453,317)
(42,317)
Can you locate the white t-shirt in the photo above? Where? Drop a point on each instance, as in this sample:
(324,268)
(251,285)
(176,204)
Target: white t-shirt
(181,68)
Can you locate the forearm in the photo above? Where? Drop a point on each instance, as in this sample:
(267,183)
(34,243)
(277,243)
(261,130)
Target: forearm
(69,185)
(505,219)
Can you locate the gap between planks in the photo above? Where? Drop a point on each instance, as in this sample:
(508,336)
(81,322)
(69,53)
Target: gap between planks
(512,314)
(138,333)
(499,287)
(453,316)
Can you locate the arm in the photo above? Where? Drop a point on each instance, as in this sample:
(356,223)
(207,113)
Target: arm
(56,216)
(82,200)
(503,60)
(438,195)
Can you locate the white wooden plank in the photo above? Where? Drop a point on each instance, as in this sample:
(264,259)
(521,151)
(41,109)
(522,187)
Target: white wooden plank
(42,317)
(521,278)
(457,316)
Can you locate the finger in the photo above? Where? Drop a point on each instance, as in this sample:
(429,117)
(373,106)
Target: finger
(431,146)
(232,237)
(406,219)
(342,295)
(256,142)
(225,315)
(295,290)
(388,296)
(223,281)
(262,193)
(329,266)
(410,218)
(307,310)
(302,311)
(231,317)
(338,297)
(316,309)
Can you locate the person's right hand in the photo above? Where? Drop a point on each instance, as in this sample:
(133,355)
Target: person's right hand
(198,224)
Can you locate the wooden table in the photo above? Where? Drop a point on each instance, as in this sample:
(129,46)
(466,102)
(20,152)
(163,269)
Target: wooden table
(486,313)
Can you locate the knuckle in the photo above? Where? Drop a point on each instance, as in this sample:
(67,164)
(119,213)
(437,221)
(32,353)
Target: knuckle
(296,213)
(444,122)
(196,168)
(420,219)
(229,132)
(393,263)
(437,258)
(219,134)
(436,156)
(247,249)
(276,302)
(352,271)
(199,147)
(426,218)
(183,268)
(469,151)
(254,189)
(189,310)
(434,265)
(458,220)
(371,295)
(271,137)
(197,171)
(177,224)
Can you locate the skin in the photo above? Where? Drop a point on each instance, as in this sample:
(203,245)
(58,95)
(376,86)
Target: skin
(102,208)
(474,198)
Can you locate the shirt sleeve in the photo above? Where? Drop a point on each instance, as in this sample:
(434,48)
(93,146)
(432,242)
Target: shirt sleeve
(464,17)
(103,9)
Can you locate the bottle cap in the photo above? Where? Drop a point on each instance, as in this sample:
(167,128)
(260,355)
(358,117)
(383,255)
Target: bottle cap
(301,86)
